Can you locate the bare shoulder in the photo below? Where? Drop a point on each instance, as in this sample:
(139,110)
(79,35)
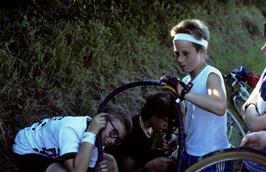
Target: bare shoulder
(214,79)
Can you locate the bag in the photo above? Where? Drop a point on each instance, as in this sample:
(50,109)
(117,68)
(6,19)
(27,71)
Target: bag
(252,79)
(241,72)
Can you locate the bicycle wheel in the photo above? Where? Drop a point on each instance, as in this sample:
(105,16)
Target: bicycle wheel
(180,128)
(232,154)
(238,102)
(235,132)
(245,89)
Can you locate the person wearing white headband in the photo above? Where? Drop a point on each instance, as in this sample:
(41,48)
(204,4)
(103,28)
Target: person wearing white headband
(206,102)
(190,38)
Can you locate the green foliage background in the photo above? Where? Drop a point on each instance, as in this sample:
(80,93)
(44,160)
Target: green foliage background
(64,56)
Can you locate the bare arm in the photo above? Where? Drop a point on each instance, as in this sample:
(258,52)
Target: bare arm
(250,114)
(215,100)
(253,95)
(107,165)
(253,121)
(81,161)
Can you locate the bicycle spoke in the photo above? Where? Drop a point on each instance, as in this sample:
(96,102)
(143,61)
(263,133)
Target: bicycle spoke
(234,130)
(238,102)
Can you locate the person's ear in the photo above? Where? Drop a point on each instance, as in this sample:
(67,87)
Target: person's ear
(202,52)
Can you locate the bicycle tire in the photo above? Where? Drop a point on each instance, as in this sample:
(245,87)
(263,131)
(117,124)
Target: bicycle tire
(230,154)
(112,94)
(235,132)
(102,106)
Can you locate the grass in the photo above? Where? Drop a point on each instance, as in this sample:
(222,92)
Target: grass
(253,58)
(52,66)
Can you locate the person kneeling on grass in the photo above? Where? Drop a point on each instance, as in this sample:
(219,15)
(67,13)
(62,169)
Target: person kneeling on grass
(146,148)
(68,143)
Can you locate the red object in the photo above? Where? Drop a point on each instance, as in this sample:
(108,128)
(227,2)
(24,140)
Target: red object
(252,79)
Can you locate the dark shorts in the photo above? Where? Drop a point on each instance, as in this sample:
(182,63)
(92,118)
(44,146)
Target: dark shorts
(188,160)
(32,162)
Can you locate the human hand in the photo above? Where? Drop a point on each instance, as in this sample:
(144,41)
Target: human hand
(159,164)
(103,166)
(108,164)
(169,144)
(97,123)
(255,140)
(171,83)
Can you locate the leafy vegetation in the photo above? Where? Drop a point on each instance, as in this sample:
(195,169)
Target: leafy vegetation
(64,57)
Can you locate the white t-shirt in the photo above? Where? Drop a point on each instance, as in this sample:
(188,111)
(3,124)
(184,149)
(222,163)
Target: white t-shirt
(56,138)
(205,131)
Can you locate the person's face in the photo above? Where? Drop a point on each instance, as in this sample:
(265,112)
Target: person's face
(263,48)
(187,56)
(159,124)
(113,133)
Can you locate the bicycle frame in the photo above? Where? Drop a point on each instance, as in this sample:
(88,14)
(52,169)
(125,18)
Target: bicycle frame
(239,87)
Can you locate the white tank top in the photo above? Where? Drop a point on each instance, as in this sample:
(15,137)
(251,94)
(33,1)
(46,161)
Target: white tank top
(205,131)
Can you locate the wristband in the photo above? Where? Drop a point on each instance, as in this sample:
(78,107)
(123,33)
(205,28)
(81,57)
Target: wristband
(182,96)
(248,104)
(89,137)
(185,90)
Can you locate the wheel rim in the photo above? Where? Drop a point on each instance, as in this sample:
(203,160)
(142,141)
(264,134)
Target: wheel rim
(181,135)
(228,155)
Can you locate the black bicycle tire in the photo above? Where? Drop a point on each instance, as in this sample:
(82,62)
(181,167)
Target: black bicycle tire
(125,87)
(228,155)
(181,135)
(109,97)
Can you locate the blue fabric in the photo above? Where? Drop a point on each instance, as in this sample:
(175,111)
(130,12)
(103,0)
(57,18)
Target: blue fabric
(263,88)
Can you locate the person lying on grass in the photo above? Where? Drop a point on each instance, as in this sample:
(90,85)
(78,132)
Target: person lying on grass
(67,143)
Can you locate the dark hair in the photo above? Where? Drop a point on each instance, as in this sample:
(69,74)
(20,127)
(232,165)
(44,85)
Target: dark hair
(117,113)
(161,105)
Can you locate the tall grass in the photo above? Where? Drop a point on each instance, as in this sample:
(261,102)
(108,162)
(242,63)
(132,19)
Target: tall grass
(66,59)
(237,29)
(71,71)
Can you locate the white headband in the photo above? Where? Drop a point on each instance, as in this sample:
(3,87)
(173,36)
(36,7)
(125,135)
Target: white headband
(190,38)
